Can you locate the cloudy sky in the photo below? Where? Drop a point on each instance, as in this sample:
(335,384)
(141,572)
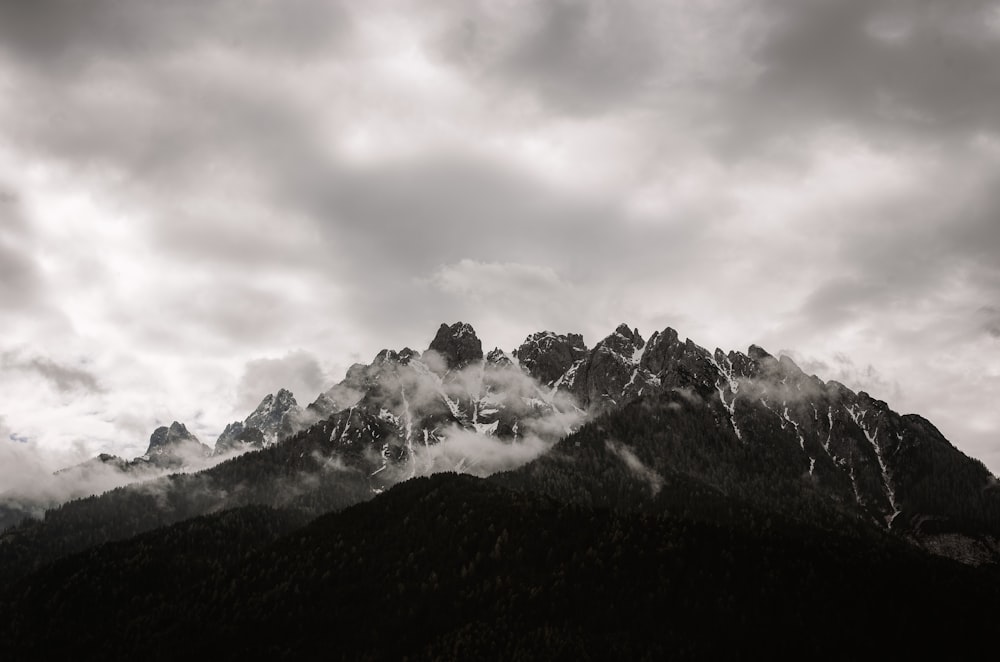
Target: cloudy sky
(201,201)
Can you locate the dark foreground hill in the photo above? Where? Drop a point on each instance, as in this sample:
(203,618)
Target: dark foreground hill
(457,568)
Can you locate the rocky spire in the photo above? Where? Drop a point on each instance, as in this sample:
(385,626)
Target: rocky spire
(174,446)
(458,345)
(164,437)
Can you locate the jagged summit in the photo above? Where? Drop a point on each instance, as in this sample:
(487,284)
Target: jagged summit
(174,446)
(629,333)
(850,447)
(743,424)
(548,357)
(273,414)
(164,437)
(499,358)
(458,345)
(611,373)
(277,416)
(625,342)
(402,357)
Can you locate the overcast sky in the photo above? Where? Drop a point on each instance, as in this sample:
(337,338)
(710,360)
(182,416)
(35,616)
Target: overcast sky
(202,201)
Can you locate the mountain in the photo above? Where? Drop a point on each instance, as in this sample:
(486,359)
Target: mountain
(170,448)
(457,346)
(301,474)
(640,497)
(630,423)
(851,449)
(395,418)
(552,359)
(277,416)
(174,446)
(405,402)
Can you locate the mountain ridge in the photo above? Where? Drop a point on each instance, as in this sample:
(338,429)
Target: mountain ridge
(452,408)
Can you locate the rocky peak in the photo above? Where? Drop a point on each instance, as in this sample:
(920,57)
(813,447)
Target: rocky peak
(277,416)
(391,357)
(612,374)
(548,356)
(758,353)
(386,356)
(625,342)
(626,332)
(174,446)
(737,364)
(284,398)
(272,412)
(664,348)
(273,403)
(679,364)
(406,355)
(458,345)
(498,358)
(164,437)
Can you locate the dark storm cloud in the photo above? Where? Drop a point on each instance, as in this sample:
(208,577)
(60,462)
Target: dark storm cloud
(757,70)
(68,34)
(579,56)
(228,238)
(210,311)
(396,225)
(19,278)
(991,320)
(907,70)
(168,128)
(913,247)
(65,378)
(591,57)
(446,207)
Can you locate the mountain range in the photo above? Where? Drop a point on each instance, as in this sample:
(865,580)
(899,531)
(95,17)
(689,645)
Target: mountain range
(631,433)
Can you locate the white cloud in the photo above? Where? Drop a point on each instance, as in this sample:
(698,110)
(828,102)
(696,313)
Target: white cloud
(487,280)
(299,372)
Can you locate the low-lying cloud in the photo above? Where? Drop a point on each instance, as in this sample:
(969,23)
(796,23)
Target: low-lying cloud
(33,480)
(423,393)
(466,451)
